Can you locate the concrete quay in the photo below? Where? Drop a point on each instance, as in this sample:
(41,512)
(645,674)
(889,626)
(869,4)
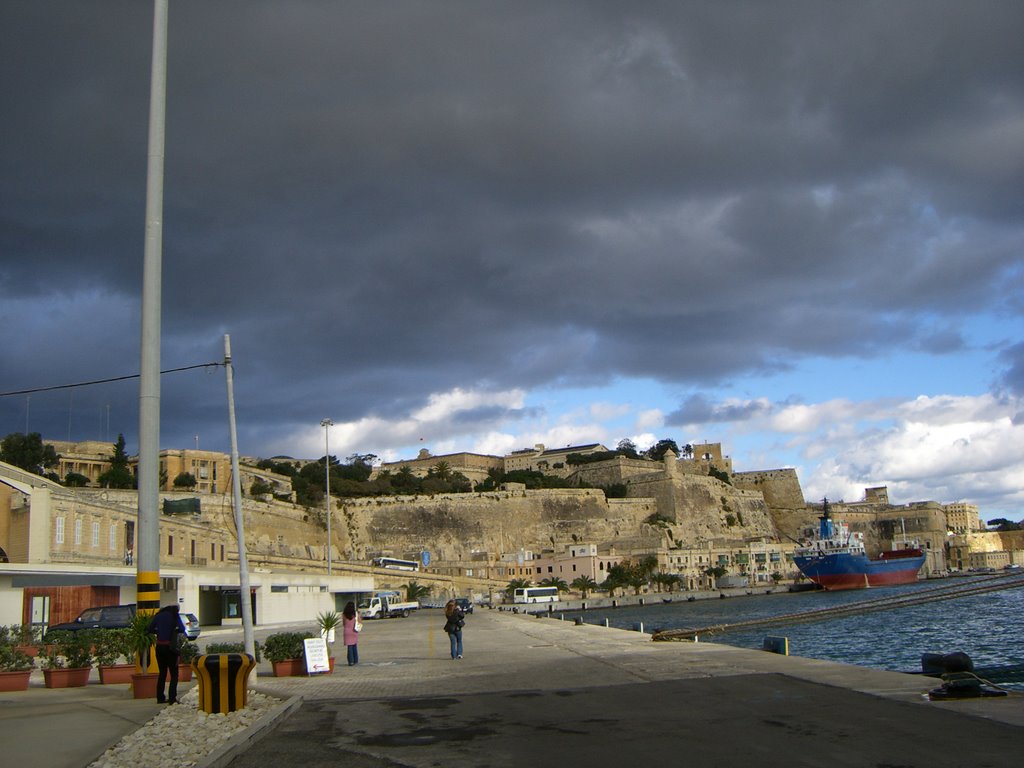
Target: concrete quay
(553,693)
(544,692)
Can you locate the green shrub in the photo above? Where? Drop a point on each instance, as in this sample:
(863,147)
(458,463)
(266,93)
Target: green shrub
(70,650)
(11,659)
(232,648)
(285,645)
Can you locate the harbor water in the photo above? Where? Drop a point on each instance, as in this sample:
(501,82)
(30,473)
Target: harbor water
(988,627)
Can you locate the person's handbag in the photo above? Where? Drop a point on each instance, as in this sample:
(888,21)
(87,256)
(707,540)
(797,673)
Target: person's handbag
(359,626)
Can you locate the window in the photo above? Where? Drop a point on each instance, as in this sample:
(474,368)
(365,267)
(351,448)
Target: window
(278,587)
(222,553)
(213,551)
(95,534)
(170,545)
(59,533)
(113,538)
(78,533)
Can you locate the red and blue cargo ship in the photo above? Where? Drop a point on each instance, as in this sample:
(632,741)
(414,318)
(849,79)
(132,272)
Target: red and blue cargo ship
(836,559)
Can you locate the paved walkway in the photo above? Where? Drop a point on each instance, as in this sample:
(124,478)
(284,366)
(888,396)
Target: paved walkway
(550,692)
(545,692)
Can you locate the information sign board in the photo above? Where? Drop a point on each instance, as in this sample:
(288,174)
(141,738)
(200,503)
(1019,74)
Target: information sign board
(317,661)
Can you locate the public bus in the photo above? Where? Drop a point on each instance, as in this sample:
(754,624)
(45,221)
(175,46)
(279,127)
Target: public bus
(394,562)
(535,595)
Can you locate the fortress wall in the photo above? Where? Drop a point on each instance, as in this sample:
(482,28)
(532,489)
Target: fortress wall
(614,471)
(704,508)
(454,526)
(780,487)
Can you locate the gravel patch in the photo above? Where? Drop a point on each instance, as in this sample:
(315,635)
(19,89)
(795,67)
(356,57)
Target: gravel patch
(183,736)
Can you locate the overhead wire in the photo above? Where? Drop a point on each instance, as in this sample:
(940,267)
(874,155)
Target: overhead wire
(106,381)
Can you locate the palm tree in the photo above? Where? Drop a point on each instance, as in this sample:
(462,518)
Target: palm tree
(442,470)
(553,581)
(414,590)
(583,585)
(515,584)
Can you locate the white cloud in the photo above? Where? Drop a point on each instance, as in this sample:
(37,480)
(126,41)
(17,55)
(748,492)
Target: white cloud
(649,419)
(940,448)
(444,405)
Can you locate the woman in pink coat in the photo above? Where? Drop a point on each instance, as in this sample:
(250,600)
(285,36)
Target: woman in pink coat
(349,633)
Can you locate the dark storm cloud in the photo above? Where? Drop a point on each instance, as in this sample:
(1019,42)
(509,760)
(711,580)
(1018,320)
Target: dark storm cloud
(380,201)
(1013,376)
(698,409)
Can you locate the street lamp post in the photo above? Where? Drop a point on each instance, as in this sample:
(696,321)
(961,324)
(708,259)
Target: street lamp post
(327,424)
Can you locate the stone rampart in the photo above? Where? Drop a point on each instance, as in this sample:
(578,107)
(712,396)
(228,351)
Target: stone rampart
(454,526)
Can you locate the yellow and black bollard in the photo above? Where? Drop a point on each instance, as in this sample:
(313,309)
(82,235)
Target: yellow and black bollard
(223,681)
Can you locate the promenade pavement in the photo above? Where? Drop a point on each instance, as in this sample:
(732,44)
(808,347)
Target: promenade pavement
(546,692)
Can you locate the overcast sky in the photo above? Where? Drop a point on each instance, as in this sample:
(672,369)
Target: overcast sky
(795,228)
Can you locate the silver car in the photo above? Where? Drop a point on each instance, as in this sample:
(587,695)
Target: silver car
(191,625)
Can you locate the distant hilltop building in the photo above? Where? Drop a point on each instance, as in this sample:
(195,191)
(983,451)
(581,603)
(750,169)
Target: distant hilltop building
(476,466)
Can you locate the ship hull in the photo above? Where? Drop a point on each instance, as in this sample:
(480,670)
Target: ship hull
(840,571)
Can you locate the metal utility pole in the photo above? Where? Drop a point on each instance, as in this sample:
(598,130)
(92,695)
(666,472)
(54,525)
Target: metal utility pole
(327,424)
(147,579)
(244,592)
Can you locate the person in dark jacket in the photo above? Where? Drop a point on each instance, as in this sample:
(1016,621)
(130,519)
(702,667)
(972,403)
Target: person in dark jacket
(455,619)
(167,626)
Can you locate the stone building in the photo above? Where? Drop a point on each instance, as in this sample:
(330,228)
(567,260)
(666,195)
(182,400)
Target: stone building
(962,517)
(550,461)
(66,549)
(578,560)
(475,466)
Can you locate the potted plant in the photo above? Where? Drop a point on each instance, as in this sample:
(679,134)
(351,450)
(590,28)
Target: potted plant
(27,638)
(112,651)
(68,660)
(232,648)
(188,652)
(328,621)
(140,641)
(15,664)
(285,651)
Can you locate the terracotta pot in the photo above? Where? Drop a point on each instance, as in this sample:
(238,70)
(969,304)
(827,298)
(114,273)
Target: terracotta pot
(28,650)
(116,673)
(289,668)
(185,672)
(15,681)
(144,685)
(75,677)
(331,660)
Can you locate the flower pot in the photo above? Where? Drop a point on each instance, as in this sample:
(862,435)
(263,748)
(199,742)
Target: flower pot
(185,672)
(144,685)
(28,650)
(289,668)
(75,677)
(116,673)
(15,681)
(331,662)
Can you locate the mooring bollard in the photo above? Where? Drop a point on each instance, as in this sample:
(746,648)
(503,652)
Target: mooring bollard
(223,681)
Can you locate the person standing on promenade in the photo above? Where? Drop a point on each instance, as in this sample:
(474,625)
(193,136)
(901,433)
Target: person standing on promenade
(455,621)
(350,627)
(168,628)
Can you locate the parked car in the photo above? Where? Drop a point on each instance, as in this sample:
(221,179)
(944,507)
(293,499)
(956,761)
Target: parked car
(464,604)
(191,625)
(101,617)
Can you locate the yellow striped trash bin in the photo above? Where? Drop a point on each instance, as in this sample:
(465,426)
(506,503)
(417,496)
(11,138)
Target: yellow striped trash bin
(223,681)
